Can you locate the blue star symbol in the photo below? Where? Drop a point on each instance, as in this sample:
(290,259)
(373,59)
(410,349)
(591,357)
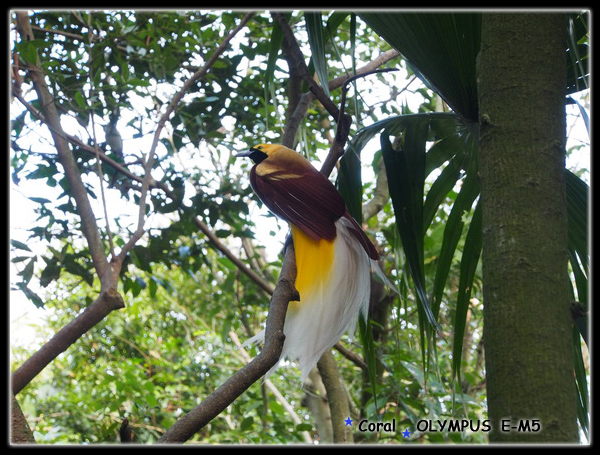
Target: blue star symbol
(405,433)
(348,421)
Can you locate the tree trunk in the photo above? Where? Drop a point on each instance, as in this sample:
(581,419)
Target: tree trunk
(527,324)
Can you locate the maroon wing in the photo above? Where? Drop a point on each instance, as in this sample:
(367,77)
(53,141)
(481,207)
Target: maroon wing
(309,201)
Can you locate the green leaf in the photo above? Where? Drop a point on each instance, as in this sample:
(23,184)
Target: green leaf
(247,424)
(32,296)
(582,386)
(578,53)
(441,49)
(314,29)
(406,176)
(304,427)
(452,234)
(393,126)
(39,200)
(468,267)
(577,192)
(274,48)
(27,272)
(350,182)
(80,100)
(19,245)
(370,356)
(28,51)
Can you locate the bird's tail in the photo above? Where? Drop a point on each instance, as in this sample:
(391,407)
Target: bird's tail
(333,280)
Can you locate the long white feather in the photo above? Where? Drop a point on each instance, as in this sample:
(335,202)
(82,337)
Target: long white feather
(331,309)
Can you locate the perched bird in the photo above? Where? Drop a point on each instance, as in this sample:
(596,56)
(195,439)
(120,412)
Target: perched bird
(334,257)
(113,138)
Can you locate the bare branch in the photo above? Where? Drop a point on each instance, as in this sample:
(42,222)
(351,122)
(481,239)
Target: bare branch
(337,398)
(108,301)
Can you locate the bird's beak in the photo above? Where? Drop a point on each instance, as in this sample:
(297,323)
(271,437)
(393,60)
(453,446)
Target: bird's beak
(245,153)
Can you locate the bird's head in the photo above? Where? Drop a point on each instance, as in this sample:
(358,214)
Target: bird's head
(260,152)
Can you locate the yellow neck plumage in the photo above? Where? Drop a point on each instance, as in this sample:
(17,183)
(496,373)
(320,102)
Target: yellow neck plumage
(314,261)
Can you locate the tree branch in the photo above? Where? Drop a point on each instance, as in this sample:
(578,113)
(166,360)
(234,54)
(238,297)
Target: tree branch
(381,194)
(296,56)
(78,191)
(337,398)
(107,302)
(307,98)
(20,432)
(274,390)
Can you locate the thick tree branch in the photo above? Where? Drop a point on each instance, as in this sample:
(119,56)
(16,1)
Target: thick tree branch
(337,398)
(274,390)
(107,302)
(20,432)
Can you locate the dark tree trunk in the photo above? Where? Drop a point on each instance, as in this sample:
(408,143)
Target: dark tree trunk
(527,324)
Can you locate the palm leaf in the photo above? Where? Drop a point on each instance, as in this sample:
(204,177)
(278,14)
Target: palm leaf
(406,177)
(441,48)
(350,182)
(582,387)
(314,29)
(578,52)
(274,49)
(468,266)
(452,234)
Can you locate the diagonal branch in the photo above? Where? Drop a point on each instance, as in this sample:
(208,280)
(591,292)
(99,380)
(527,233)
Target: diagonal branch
(149,161)
(307,98)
